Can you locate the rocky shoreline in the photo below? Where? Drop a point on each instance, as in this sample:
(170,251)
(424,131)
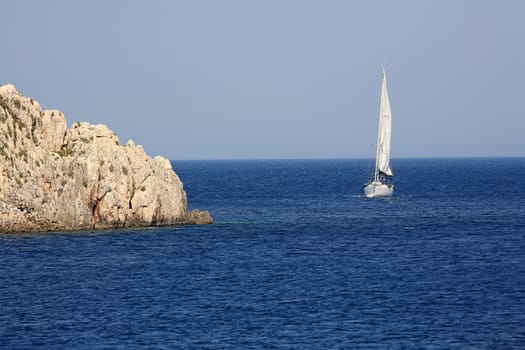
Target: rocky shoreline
(54,178)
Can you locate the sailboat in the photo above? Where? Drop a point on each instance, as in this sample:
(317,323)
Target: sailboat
(381,183)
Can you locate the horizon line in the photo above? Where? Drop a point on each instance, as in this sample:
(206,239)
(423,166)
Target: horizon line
(346,158)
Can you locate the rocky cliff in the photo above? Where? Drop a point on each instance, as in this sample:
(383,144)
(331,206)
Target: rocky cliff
(55,178)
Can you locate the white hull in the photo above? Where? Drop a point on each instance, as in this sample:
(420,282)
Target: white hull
(378,189)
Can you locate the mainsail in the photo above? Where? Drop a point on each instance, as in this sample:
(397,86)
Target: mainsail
(383,136)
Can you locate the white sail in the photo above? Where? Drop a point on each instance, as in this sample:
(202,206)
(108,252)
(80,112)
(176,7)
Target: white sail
(384,132)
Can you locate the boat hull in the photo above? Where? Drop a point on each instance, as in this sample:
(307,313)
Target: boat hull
(377,189)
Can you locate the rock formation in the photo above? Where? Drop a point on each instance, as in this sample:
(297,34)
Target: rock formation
(54,178)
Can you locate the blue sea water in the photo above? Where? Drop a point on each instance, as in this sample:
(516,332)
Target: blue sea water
(297,259)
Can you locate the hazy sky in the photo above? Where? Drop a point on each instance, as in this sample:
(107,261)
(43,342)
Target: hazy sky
(277,78)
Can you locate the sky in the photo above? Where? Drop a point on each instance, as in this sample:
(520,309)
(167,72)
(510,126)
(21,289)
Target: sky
(241,79)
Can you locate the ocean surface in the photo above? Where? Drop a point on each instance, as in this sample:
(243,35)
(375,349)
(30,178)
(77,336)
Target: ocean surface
(297,259)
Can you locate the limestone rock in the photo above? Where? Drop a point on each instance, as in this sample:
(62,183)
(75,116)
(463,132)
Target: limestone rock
(55,178)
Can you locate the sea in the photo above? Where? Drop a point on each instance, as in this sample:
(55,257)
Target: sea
(297,258)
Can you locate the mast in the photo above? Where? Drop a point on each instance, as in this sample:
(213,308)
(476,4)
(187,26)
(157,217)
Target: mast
(384,132)
(376,172)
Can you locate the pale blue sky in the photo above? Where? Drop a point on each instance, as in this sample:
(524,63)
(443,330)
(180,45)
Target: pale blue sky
(277,78)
